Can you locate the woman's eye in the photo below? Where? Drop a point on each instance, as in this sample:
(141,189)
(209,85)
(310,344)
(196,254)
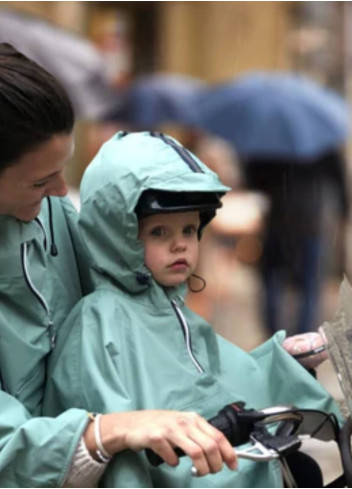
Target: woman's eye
(39,184)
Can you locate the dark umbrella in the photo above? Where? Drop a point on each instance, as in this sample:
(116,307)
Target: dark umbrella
(277,115)
(73,60)
(160,98)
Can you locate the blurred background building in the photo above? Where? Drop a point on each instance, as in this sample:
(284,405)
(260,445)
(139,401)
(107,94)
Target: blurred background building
(211,41)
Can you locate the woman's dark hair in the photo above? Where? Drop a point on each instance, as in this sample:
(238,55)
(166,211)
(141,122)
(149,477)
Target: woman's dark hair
(33,106)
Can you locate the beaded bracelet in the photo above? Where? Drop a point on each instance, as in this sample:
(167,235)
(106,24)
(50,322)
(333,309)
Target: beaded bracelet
(101,453)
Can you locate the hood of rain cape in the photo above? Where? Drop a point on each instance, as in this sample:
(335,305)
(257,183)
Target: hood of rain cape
(125,166)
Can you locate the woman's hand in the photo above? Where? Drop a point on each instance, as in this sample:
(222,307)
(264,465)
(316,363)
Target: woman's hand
(162,431)
(304,343)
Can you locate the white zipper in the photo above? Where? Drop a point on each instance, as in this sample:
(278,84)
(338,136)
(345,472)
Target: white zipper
(41,225)
(38,295)
(187,335)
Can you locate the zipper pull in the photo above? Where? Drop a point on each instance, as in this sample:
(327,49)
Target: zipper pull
(52,335)
(179,301)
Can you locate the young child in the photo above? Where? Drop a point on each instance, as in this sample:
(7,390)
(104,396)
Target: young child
(133,346)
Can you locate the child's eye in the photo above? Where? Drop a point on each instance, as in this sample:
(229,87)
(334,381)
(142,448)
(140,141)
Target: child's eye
(158,231)
(190,230)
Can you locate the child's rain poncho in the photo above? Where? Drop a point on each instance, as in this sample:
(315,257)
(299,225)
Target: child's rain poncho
(125,346)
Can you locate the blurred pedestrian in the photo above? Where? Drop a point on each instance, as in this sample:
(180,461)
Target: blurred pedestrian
(287,131)
(308,206)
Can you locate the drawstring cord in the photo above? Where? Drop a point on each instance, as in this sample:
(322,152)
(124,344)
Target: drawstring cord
(202,287)
(53,247)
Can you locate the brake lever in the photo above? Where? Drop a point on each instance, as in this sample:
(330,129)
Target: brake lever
(265,454)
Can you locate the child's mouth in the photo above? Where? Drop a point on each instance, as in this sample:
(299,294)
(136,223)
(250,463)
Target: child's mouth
(179,265)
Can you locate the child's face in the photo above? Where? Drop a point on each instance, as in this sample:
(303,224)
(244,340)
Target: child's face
(170,246)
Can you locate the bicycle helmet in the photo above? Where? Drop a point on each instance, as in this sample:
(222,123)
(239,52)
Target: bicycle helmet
(162,202)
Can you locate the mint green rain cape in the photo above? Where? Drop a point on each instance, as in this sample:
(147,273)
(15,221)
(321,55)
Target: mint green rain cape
(43,274)
(124,347)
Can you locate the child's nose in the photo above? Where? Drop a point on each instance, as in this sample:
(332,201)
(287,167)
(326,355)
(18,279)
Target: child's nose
(179,244)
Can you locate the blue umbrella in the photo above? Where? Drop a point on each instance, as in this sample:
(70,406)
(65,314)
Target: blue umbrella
(159,98)
(278,115)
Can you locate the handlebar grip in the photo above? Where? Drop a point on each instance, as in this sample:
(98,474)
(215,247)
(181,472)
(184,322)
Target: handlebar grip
(229,423)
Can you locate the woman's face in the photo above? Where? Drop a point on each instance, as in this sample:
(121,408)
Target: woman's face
(37,174)
(170,246)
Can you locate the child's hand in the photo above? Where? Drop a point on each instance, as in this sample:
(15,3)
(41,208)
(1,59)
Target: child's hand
(303,343)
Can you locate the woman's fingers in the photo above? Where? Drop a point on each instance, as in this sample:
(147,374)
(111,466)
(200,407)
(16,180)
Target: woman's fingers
(227,452)
(160,445)
(162,431)
(206,446)
(206,454)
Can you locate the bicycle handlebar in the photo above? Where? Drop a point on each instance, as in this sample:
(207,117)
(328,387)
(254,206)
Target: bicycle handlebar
(237,424)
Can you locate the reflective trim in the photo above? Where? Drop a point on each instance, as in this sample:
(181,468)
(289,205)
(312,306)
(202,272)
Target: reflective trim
(40,222)
(181,151)
(187,334)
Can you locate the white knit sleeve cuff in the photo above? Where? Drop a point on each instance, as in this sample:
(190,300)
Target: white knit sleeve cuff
(84,470)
